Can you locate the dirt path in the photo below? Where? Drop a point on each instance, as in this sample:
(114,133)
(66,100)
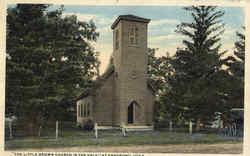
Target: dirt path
(194,148)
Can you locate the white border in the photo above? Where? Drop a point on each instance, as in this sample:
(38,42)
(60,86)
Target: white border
(232,3)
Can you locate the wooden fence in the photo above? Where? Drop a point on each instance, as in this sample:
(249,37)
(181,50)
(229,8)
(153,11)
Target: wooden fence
(24,129)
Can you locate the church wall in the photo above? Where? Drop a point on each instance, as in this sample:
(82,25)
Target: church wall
(103,103)
(150,107)
(117,63)
(116,94)
(128,83)
(134,61)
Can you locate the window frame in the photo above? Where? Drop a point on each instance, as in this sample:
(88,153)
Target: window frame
(133,34)
(117,43)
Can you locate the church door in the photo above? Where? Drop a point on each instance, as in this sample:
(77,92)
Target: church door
(131,113)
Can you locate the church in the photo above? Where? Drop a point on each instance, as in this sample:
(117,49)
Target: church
(122,96)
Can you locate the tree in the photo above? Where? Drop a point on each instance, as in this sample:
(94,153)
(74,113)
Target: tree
(198,69)
(160,72)
(236,69)
(50,61)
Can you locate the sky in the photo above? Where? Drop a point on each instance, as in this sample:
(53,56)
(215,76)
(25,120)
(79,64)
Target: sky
(161,29)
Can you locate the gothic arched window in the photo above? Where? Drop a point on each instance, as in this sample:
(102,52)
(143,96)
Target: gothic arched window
(117,39)
(133,35)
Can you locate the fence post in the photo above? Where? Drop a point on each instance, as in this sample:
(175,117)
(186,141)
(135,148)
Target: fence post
(96,130)
(170,126)
(221,123)
(123,130)
(190,127)
(61,129)
(39,131)
(56,129)
(10,128)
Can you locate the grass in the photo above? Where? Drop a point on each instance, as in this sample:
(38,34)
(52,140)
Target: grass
(76,138)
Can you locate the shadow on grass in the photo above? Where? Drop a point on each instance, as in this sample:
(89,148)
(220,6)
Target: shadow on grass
(77,138)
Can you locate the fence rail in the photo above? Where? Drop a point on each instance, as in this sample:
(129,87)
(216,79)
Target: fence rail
(24,129)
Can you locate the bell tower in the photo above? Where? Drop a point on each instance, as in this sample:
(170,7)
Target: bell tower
(132,106)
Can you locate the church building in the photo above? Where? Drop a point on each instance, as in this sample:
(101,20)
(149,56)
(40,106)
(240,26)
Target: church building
(122,95)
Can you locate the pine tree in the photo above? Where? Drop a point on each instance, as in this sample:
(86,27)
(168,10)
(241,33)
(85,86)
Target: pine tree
(236,68)
(198,73)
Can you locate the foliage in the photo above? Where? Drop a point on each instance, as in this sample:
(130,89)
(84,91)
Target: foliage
(50,60)
(199,84)
(236,69)
(159,70)
(160,73)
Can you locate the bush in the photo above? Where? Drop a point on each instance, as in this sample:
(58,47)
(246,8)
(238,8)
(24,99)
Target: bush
(88,125)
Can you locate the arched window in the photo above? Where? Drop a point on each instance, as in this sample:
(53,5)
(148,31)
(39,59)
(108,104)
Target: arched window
(78,110)
(88,109)
(133,35)
(117,39)
(134,110)
(131,113)
(84,110)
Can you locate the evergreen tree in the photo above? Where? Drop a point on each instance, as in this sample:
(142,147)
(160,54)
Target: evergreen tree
(50,60)
(197,82)
(236,68)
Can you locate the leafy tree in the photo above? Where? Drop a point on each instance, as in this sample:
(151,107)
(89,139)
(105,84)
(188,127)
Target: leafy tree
(159,70)
(199,81)
(50,60)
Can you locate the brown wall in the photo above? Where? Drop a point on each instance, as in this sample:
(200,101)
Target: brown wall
(110,106)
(133,59)
(104,103)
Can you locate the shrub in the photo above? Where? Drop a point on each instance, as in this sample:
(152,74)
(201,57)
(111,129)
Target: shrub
(88,125)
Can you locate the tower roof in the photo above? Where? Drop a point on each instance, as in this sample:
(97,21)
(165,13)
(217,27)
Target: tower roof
(129,18)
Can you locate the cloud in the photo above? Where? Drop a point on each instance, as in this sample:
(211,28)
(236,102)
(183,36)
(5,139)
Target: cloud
(105,50)
(158,39)
(104,57)
(98,19)
(80,17)
(229,33)
(229,38)
(105,20)
(174,37)
(103,30)
(164,21)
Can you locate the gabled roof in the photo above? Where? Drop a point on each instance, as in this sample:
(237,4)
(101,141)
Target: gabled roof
(101,80)
(97,83)
(129,18)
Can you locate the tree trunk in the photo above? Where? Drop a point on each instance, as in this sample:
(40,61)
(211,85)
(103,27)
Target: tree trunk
(198,122)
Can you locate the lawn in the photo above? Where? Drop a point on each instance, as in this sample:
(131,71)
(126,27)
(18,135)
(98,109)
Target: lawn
(80,138)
